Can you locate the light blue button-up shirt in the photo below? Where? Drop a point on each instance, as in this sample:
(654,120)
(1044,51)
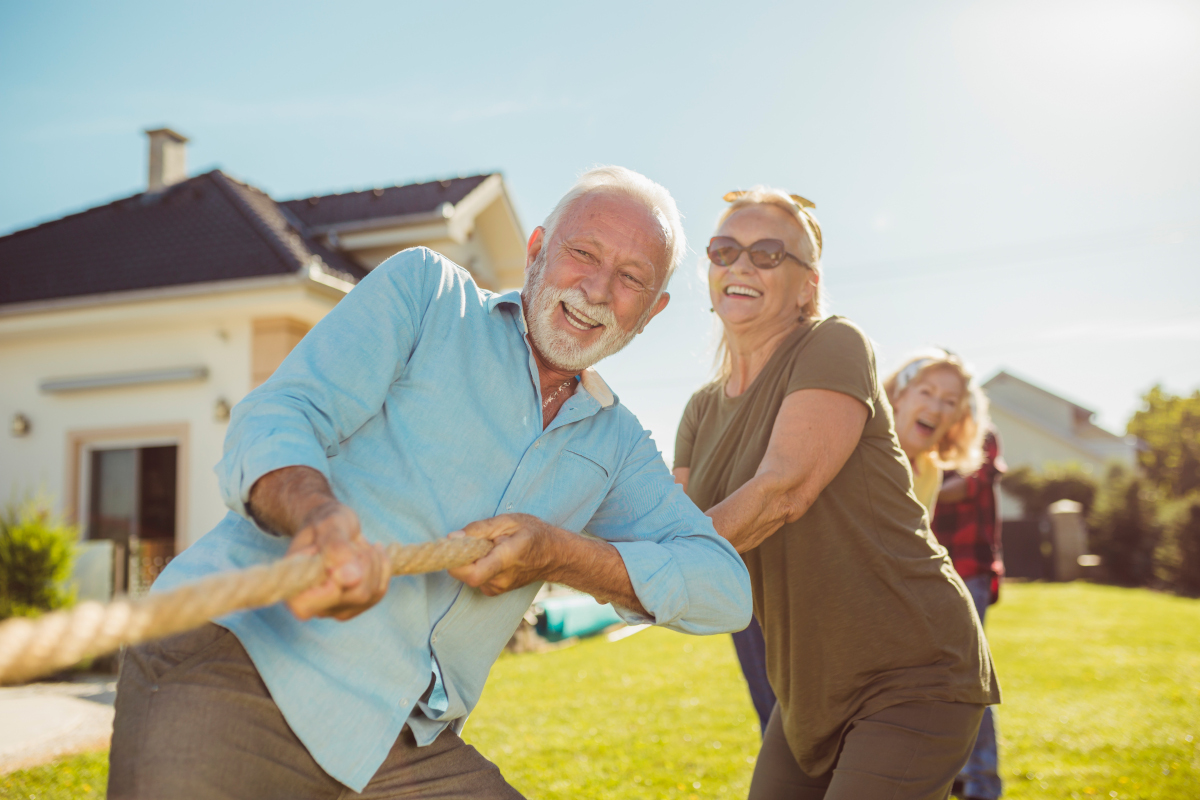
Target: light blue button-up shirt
(418,398)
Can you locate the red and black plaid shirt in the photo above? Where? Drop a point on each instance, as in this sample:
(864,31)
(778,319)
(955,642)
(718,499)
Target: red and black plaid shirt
(970,528)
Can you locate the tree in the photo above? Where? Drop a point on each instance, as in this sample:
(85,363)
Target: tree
(1169,427)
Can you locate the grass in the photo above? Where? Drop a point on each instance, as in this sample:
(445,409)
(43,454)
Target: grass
(83,777)
(655,715)
(1101,689)
(1101,692)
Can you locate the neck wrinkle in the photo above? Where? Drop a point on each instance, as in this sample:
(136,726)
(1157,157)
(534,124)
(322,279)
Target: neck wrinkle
(749,352)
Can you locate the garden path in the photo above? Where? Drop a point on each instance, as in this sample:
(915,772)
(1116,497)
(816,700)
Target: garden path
(45,721)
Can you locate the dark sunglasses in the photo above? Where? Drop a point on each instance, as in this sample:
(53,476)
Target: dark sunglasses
(764,254)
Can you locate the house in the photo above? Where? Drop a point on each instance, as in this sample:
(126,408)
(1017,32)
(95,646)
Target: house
(1039,428)
(128,331)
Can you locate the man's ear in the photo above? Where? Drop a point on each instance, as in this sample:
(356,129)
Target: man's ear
(536,240)
(663,299)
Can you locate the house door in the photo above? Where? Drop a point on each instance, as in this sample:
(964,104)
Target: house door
(132,502)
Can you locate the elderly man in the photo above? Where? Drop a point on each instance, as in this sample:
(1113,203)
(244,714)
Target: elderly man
(423,405)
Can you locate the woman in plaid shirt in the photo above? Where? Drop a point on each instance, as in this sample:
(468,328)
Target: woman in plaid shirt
(967,523)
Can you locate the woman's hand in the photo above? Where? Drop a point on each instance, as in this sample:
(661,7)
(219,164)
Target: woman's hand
(814,435)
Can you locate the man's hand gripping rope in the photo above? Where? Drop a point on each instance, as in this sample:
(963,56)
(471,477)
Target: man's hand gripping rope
(33,647)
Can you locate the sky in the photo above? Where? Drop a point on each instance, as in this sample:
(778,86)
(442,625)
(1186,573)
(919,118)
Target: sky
(1016,181)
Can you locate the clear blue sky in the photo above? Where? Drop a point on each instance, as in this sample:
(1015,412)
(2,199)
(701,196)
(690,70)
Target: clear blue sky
(1017,181)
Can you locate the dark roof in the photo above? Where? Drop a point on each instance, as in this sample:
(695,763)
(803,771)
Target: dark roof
(207,228)
(394,201)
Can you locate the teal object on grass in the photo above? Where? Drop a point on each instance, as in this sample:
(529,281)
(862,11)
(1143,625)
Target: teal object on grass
(564,617)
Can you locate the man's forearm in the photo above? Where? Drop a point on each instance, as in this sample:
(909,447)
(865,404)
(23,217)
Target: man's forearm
(281,501)
(595,567)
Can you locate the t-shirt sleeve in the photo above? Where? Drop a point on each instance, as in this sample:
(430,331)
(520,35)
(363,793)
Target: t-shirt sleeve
(685,437)
(836,356)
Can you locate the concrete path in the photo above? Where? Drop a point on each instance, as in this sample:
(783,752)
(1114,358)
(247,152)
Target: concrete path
(42,722)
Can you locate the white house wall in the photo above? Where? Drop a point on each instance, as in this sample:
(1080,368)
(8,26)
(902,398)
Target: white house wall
(213,331)
(1026,445)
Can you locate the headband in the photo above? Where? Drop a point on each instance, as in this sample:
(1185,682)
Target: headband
(911,371)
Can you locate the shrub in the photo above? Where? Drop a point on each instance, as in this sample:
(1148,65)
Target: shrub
(1125,529)
(36,551)
(1187,535)
(1038,490)
(1177,557)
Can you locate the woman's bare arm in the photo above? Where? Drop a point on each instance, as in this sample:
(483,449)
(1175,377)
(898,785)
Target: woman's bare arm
(954,490)
(681,476)
(813,436)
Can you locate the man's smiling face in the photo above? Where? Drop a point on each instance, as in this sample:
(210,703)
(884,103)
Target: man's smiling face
(594,283)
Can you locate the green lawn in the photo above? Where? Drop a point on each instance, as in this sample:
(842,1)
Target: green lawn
(1101,692)
(83,776)
(1101,689)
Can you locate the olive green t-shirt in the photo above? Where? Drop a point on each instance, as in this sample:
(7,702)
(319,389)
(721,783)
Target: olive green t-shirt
(860,606)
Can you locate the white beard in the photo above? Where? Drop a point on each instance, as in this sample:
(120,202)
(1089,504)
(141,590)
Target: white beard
(559,347)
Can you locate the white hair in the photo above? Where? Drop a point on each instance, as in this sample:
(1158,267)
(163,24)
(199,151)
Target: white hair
(654,197)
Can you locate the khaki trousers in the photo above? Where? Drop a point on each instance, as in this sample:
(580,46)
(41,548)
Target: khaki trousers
(194,720)
(911,751)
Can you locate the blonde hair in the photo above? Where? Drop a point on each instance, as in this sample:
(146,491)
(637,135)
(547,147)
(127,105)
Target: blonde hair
(961,448)
(807,222)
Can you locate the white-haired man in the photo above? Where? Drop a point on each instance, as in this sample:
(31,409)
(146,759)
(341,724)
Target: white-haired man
(410,411)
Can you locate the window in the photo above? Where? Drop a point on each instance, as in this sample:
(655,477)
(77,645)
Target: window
(127,486)
(132,503)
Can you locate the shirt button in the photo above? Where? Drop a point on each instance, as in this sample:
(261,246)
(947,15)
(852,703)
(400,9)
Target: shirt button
(536,445)
(403,701)
(433,639)
(508,507)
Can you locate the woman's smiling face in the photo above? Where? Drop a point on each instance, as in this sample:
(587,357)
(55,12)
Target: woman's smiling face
(747,297)
(926,408)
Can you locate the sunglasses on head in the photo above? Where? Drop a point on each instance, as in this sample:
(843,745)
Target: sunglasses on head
(764,254)
(802,206)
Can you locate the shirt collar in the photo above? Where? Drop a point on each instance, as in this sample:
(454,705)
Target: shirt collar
(594,385)
(589,379)
(511,296)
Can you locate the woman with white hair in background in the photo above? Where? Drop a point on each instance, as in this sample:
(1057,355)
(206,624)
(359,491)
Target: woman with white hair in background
(873,649)
(942,424)
(941,418)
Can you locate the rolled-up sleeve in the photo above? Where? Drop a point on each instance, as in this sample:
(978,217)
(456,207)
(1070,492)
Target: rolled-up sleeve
(684,573)
(331,383)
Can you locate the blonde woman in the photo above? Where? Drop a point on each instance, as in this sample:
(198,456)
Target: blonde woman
(873,649)
(941,418)
(942,423)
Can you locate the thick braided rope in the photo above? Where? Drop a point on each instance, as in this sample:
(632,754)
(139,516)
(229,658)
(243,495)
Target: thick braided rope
(33,647)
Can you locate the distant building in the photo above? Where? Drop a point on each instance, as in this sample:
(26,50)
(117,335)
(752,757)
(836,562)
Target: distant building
(127,331)
(1039,428)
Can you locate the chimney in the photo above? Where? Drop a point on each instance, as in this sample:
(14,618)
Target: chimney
(168,158)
